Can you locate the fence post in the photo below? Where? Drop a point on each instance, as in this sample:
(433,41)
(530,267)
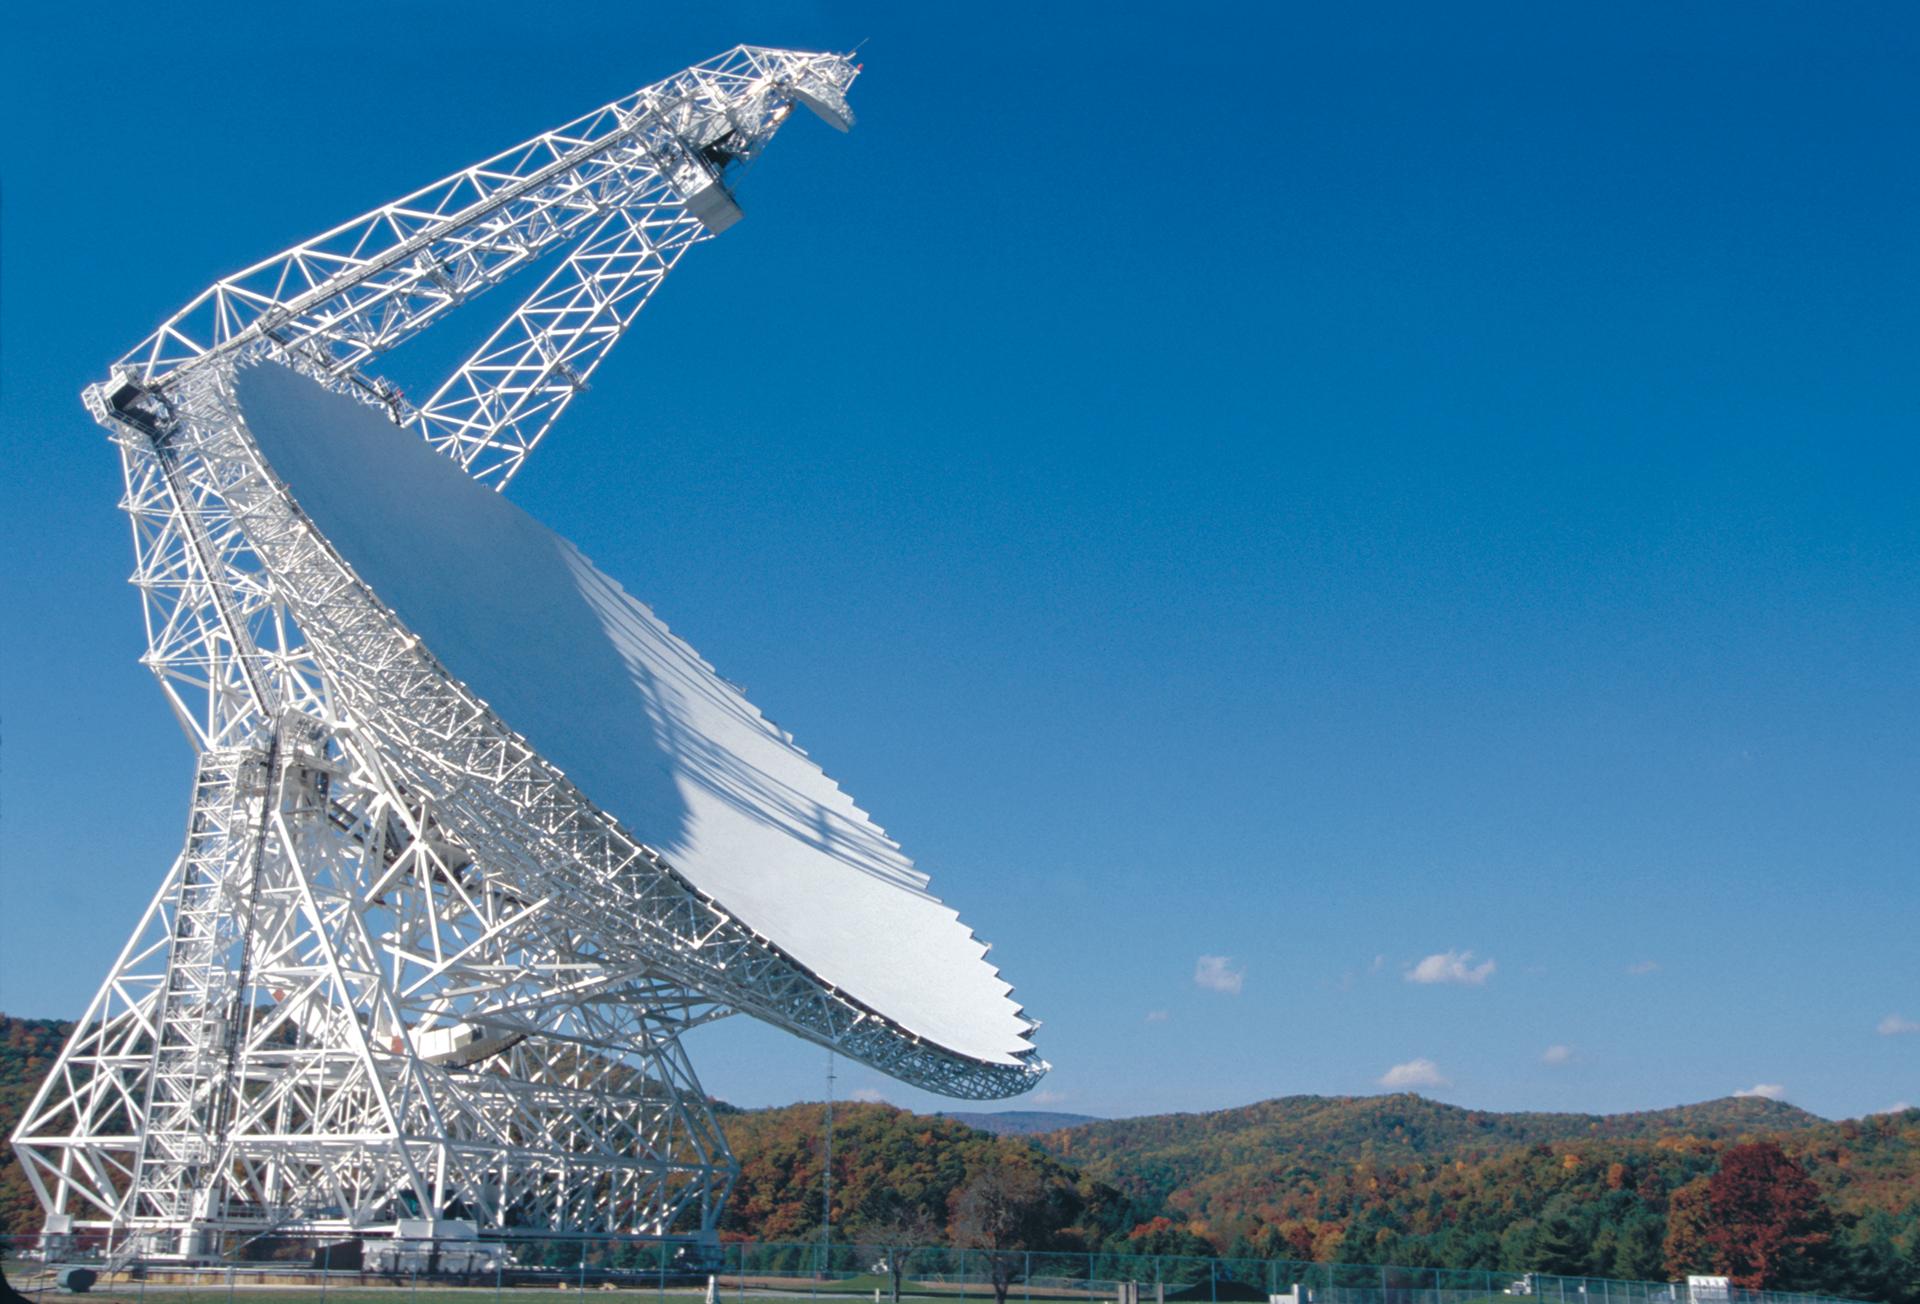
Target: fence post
(499,1270)
(1213,1280)
(1026,1277)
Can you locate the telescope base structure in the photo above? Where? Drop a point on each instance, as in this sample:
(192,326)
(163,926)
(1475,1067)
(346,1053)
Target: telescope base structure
(281,1048)
(408,979)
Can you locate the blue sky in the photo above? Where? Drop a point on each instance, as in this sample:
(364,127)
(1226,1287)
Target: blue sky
(1269,505)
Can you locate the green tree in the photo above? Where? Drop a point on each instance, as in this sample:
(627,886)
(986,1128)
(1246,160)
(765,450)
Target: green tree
(1560,1247)
(1372,1236)
(1516,1245)
(1873,1258)
(1636,1250)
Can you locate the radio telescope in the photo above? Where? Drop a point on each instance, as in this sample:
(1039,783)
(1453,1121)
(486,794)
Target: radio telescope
(473,837)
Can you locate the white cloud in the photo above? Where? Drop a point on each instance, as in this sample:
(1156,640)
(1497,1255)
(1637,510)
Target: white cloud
(1044,1097)
(1379,963)
(1897,1107)
(868,1095)
(1414,1073)
(1763,1091)
(1893,1026)
(1216,974)
(1451,967)
(1556,1055)
(1643,967)
(1158,1016)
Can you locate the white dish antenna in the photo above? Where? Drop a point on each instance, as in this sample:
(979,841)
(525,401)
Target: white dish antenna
(474,837)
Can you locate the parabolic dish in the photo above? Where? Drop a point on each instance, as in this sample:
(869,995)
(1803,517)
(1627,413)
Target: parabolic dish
(645,728)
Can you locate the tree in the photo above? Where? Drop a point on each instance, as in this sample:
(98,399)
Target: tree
(1636,1252)
(1560,1247)
(1601,1249)
(1689,1215)
(1163,1237)
(896,1226)
(1298,1239)
(1002,1211)
(1462,1246)
(1516,1245)
(1372,1236)
(1769,1228)
(1873,1259)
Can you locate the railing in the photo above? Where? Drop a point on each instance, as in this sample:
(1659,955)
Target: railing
(289,1270)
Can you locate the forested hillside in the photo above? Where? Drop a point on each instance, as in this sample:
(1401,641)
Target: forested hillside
(1762,1191)
(896,1174)
(1222,1165)
(28,1048)
(1017,1122)
(1399,1179)
(1402,1180)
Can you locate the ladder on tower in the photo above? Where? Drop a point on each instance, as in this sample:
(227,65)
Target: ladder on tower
(202,1000)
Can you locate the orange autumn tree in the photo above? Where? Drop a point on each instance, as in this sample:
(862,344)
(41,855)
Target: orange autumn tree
(1769,1228)
(1758,1220)
(1689,1218)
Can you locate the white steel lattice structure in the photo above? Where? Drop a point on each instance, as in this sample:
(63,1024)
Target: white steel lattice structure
(406,975)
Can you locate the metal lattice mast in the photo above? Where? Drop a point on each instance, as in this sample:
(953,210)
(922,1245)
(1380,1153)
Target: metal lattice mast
(646,175)
(498,405)
(344,1004)
(354,292)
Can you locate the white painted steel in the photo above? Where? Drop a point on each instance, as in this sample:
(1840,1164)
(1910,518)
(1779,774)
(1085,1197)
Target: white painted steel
(406,971)
(631,714)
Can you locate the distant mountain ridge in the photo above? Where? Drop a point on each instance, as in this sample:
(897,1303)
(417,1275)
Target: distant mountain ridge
(1407,1126)
(1217,1165)
(1018,1122)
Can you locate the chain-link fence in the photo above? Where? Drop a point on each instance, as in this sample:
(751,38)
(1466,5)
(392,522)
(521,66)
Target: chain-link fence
(306,1270)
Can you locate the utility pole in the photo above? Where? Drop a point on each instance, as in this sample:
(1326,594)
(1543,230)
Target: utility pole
(826,1180)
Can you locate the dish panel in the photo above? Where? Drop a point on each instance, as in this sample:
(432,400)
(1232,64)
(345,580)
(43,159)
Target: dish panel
(631,713)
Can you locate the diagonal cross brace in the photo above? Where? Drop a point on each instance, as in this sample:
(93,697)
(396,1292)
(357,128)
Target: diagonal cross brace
(498,405)
(355,291)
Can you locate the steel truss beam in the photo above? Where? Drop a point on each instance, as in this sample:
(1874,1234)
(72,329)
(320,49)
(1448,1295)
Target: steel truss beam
(363,287)
(329,1019)
(501,402)
(402,968)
